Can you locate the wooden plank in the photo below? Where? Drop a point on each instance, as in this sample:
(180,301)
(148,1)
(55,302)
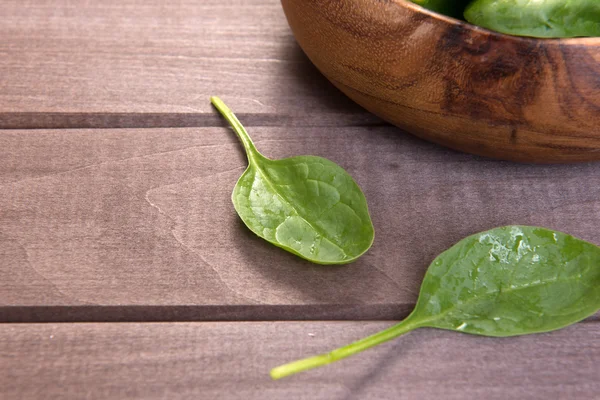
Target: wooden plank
(141,220)
(126,63)
(232,360)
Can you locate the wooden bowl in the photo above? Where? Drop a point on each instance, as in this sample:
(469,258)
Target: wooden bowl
(507,97)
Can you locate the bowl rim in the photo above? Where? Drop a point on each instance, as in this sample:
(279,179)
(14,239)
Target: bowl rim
(451,21)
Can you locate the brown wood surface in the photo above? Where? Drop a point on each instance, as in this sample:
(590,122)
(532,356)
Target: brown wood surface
(127,63)
(232,361)
(131,219)
(468,88)
(143,217)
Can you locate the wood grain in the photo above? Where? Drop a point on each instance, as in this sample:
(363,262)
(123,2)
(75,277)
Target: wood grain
(98,225)
(137,225)
(452,83)
(127,63)
(232,360)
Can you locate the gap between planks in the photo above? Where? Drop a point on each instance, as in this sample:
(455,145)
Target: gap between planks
(210,313)
(196,313)
(57,120)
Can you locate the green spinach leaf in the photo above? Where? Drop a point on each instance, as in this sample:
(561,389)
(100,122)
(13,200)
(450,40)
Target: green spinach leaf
(508,281)
(540,18)
(306,205)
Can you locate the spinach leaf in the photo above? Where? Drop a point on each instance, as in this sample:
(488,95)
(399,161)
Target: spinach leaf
(540,18)
(306,205)
(452,8)
(508,281)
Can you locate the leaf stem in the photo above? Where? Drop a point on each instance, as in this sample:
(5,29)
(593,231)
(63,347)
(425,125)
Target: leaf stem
(294,367)
(237,126)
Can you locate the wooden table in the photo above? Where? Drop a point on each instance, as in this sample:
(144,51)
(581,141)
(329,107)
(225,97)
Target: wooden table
(125,272)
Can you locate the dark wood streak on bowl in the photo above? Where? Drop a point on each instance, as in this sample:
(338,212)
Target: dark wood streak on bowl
(455,84)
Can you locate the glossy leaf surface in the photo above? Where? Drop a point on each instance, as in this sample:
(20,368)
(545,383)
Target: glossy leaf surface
(306,205)
(511,281)
(540,18)
(508,281)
